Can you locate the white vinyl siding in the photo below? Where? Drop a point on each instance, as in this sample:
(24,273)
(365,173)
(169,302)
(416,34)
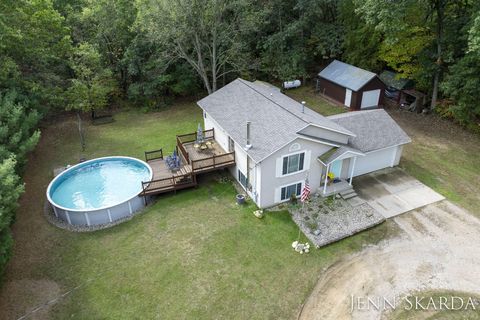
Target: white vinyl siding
(377,160)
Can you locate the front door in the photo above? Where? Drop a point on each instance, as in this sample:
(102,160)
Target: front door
(336,168)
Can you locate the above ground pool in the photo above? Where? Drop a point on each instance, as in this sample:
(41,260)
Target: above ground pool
(99,191)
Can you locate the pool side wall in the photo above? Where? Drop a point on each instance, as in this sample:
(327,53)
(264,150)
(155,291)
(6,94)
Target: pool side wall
(102,216)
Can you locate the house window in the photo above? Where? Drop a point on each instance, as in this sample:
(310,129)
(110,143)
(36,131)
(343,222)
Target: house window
(287,191)
(293,163)
(204,114)
(242,179)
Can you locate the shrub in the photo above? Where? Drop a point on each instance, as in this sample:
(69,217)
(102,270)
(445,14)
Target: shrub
(293,198)
(10,190)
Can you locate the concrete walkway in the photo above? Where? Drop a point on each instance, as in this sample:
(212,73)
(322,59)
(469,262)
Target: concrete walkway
(393,192)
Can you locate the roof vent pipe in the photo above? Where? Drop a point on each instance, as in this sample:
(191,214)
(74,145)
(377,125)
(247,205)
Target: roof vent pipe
(303,106)
(249,145)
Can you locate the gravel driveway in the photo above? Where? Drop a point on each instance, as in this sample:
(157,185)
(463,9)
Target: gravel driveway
(436,250)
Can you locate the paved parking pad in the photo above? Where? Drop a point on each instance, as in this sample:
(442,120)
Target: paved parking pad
(392,192)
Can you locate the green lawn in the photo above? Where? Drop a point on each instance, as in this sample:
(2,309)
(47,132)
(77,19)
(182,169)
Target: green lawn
(194,254)
(191,255)
(314,101)
(443,156)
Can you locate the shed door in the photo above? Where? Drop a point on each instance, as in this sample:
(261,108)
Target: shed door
(370,98)
(348,97)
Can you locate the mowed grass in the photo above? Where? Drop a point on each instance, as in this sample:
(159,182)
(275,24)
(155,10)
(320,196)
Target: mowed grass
(443,156)
(193,255)
(314,101)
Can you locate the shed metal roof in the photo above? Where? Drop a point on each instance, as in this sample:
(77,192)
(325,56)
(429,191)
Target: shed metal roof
(346,75)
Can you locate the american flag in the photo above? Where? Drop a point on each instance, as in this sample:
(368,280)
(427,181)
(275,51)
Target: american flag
(305,191)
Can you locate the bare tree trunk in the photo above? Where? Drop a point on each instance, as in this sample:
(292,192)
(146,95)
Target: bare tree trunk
(214,61)
(80,131)
(201,67)
(439,7)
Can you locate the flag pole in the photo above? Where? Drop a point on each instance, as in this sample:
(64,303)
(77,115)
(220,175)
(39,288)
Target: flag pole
(303,203)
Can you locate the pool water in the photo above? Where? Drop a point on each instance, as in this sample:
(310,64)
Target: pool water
(99,184)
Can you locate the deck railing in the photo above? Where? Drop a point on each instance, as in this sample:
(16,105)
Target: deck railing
(191,137)
(153,155)
(175,182)
(213,162)
(183,151)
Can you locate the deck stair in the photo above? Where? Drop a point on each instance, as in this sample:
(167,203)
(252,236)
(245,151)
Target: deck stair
(348,194)
(184,170)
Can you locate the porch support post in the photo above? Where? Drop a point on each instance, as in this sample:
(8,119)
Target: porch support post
(326,179)
(353,169)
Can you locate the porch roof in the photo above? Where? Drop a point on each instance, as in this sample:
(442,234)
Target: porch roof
(335,153)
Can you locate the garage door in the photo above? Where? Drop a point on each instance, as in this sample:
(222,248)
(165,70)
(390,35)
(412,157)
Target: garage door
(370,98)
(374,161)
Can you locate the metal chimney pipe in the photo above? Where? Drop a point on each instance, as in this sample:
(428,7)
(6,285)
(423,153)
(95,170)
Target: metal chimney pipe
(303,106)
(249,145)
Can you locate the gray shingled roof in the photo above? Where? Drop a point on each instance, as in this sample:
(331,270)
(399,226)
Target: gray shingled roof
(346,75)
(374,129)
(275,118)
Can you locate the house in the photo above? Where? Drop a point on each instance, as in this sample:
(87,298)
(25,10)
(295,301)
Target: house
(278,141)
(351,86)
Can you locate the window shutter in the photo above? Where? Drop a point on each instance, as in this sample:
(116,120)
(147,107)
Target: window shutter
(302,159)
(282,197)
(285,165)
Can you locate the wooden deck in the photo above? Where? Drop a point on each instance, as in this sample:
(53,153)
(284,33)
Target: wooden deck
(164,180)
(212,158)
(194,161)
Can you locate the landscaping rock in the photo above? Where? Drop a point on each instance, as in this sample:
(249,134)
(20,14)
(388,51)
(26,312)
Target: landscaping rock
(331,221)
(258,213)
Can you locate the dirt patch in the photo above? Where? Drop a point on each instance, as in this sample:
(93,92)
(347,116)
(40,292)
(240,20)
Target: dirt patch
(33,293)
(426,256)
(368,188)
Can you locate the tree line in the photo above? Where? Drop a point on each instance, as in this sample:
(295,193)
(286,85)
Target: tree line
(84,54)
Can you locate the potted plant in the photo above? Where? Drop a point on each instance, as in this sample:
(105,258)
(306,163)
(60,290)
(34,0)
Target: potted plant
(240,198)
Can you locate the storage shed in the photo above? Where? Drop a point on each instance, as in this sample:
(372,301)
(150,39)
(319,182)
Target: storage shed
(354,87)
